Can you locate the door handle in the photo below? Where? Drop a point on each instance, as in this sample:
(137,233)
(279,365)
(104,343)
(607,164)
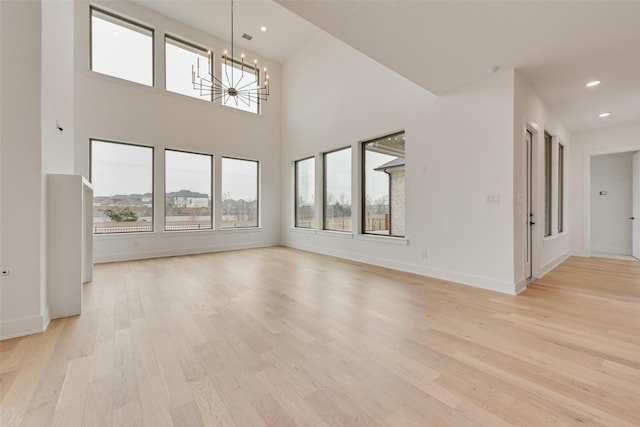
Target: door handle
(532,223)
(631,217)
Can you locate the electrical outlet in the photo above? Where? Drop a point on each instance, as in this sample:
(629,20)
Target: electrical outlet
(424,255)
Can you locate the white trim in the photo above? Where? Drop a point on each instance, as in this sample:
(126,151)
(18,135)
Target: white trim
(488,283)
(336,233)
(521,286)
(304,230)
(129,256)
(553,264)
(392,240)
(24,326)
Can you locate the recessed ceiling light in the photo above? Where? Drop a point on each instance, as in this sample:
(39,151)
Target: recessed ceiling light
(263,28)
(593,83)
(603,115)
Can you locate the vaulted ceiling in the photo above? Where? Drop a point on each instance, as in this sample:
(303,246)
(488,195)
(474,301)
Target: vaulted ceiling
(558,46)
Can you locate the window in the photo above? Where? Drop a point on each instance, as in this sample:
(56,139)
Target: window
(305,203)
(560,188)
(547,184)
(337,190)
(187,191)
(239,193)
(122,178)
(383,210)
(180,57)
(121,48)
(242,78)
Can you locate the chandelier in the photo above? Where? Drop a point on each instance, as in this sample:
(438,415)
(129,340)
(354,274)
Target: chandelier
(238,82)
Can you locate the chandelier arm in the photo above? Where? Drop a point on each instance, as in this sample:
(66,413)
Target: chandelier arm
(242,87)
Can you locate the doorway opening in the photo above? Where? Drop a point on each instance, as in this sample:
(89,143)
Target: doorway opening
(614,205)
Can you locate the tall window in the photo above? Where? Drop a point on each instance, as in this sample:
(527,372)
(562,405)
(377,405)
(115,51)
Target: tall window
(180,57)
(305,202)
(239,193)
(337,190)
(187,190)
(560,188)
(122,178)
(241,78)
(383,204)
(121,48)
(547,184)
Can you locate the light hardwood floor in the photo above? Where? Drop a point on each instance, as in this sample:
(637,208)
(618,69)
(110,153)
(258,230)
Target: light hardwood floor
(280,337)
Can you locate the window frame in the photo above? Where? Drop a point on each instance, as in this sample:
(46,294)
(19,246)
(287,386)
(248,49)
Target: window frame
(295,193)
(548,184)
(193,46)
(153,183)
(258,219)
(324,188)
(130,23)
(363,189)
(213,205)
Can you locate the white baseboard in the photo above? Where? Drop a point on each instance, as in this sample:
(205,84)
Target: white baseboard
(521,286)
(129,256)
(23,326)
(552,264)
(501,286)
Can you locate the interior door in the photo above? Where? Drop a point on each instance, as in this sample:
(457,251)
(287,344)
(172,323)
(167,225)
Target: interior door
(528,209)
(635,217)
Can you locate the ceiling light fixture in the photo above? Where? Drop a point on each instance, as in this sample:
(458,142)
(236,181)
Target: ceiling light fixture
(238,81)
(593,83)
(263,28)
(603,115)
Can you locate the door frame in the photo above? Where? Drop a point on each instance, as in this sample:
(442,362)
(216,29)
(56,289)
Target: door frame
(534,196)
(635,206)
(586,196)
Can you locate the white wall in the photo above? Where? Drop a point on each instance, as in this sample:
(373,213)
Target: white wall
(459,150)
(586,144)
(531,112)
(610,212)
(113,109)
(56,110)
(21,306)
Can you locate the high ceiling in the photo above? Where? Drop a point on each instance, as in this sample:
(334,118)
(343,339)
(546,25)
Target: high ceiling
(286,31)
(558,46)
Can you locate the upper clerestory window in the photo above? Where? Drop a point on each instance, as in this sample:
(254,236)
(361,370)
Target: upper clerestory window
(121,48)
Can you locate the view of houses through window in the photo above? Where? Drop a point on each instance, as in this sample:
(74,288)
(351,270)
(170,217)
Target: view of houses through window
(122,178)
(188,181)
(239,193)
(305,203)
(337,190)
(383,186)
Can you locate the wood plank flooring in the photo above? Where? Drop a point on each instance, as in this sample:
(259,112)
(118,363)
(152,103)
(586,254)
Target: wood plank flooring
(280,337)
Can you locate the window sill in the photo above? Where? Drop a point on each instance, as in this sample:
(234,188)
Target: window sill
(241,230)
(401,241)
(338,234)
(304,230)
